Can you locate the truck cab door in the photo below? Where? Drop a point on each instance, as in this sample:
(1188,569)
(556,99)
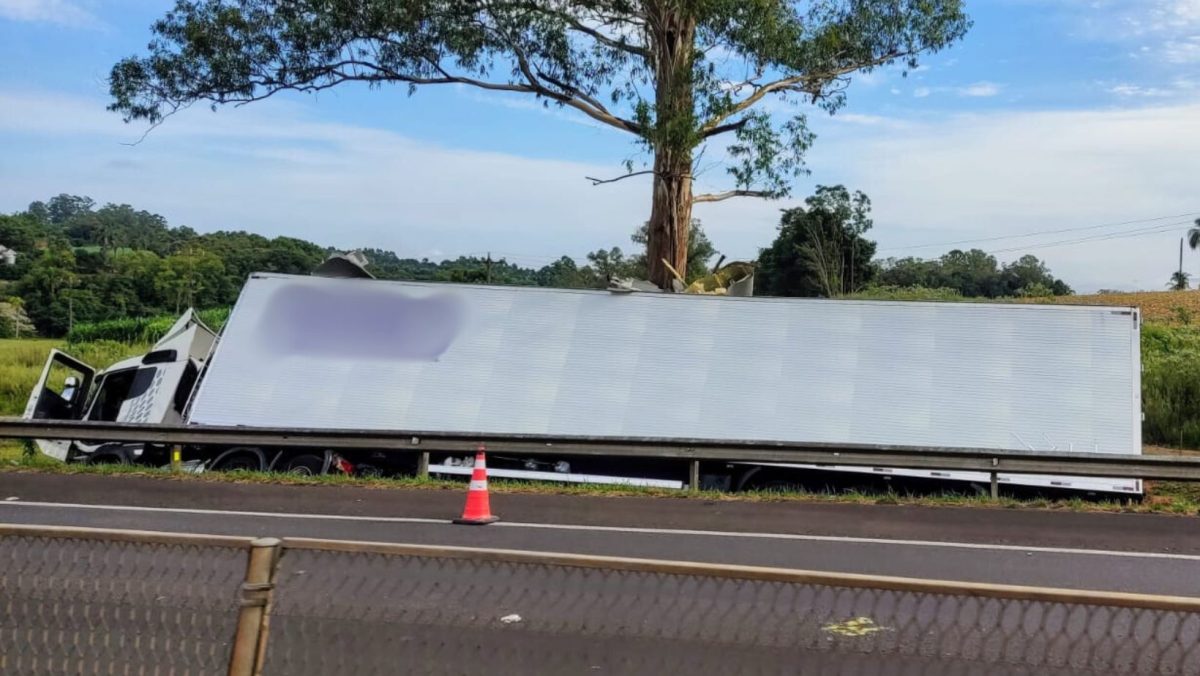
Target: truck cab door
(60,394)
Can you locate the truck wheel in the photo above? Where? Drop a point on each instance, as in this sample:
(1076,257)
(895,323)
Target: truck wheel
(308,464)
(368,471)
(109,456)
(240,457)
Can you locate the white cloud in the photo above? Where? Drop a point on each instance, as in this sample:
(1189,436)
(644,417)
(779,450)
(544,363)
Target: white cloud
(1162,29)
(274,169)
(969,176)
(61,12)
(1183,51)
(1137,91)
(979,89)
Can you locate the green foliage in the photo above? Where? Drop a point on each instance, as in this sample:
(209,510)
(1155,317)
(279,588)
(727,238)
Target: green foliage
(138,329)
(77,263)
(191,278)
(911,293)
(1179,281)
(1035,290)
(975,273)
(1171,385)
(564,273)
(603,264)
(821,249)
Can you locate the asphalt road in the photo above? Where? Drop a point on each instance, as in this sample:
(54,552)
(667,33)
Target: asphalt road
(366,614)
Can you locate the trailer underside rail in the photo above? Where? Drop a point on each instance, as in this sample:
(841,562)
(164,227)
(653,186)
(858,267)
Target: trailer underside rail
(1008,461)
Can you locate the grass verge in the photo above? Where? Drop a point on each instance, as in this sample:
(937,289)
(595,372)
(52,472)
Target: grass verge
(1161,497)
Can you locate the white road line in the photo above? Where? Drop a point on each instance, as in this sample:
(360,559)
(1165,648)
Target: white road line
(223,512)
(621,529)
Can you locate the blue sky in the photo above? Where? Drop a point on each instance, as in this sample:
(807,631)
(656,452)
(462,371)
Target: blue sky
(1052,115)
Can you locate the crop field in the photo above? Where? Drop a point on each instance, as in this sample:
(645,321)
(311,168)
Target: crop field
(1163,307)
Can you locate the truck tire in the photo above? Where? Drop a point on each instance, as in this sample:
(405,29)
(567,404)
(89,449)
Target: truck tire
(240,457)
(307,464)
(111,455)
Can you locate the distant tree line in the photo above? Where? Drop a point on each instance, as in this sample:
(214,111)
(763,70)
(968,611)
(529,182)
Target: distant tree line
(822,250)
(77,261)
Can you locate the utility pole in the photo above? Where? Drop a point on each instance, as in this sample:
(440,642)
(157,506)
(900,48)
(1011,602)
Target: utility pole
(1181,258)
(488,265)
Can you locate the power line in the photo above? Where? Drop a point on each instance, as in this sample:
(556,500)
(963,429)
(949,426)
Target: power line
(1040,232)
(1138,232)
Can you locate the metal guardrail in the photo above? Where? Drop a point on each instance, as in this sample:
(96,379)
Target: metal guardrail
(994,461)
(157,602)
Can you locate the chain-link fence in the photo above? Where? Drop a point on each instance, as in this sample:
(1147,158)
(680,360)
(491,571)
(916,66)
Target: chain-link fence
(75,605)
(87,605)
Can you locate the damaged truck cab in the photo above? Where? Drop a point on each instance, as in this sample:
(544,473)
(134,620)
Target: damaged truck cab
(152,388)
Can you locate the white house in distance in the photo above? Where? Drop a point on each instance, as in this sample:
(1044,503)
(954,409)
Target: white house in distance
(7,256)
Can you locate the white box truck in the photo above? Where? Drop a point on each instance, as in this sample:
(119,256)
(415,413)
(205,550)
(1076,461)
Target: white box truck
(314,352)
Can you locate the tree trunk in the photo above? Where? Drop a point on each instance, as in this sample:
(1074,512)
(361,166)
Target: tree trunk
(670,216)
(673,38)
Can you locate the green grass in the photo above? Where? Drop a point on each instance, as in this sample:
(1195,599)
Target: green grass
(21,364)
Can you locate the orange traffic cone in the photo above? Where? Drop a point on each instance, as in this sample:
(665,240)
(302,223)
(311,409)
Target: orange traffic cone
(478,511)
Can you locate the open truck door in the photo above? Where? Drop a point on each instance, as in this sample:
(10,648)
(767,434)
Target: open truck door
(60,394)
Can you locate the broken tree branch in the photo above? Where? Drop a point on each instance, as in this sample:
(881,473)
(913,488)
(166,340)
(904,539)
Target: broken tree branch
(720,196)
(599,181)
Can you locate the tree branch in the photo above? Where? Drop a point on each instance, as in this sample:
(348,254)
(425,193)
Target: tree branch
(809,83)
(577,24)
(724,128)
(606,40)
(573,98)
(721,196)
(598,181)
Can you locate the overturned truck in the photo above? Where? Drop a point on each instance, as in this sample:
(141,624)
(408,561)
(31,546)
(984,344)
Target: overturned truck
(316,352)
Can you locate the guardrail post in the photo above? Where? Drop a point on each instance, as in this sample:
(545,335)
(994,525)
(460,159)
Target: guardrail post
(995,486)
(694,475)
(423,465)
(250,639)
(177,458)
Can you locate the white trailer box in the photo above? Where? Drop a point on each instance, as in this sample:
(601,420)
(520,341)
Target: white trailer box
(344,353)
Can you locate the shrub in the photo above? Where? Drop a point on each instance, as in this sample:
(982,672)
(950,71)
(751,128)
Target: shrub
(1171,385)
(1171,400)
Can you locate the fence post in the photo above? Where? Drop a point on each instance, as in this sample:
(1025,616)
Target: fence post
(250,639)
(423,465)
(995,486)
(694,475)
